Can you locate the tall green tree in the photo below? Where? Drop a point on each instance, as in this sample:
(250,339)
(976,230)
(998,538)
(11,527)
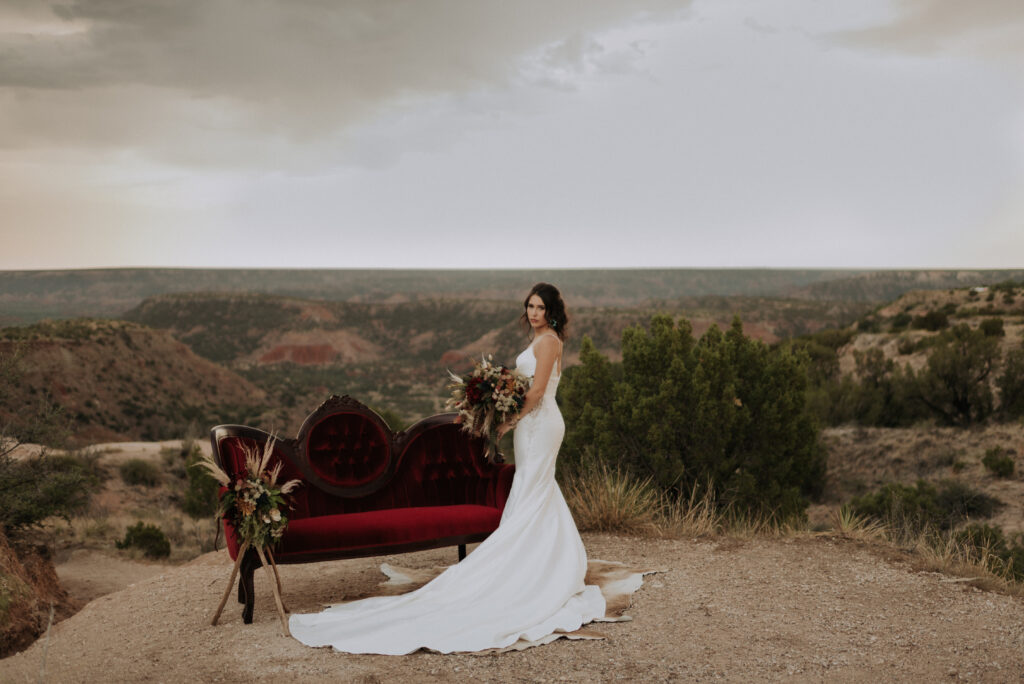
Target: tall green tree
(724,411)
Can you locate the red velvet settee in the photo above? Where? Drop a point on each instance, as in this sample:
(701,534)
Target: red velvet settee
(368,492)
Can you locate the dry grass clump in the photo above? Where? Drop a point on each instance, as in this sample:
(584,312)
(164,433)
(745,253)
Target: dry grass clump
(848,524)
(958,554)
(607,499)
(696,516)
(946,551)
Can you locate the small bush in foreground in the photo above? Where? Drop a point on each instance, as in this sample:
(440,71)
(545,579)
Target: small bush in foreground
(136,471)
(989,545)
(997,462)
(150,539)
(603,499)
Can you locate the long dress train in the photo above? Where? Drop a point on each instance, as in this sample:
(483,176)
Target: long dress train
(524,582)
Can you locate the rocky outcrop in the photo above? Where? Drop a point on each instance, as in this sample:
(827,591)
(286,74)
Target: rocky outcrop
(28,588)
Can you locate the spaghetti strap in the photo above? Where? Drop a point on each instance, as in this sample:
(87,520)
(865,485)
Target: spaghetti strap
(561,344)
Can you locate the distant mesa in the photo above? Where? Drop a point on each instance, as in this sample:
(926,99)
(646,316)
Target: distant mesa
(313,311)
(456,360)
(303,354)
(315,347)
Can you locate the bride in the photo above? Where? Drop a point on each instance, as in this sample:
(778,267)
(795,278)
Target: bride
(524,584)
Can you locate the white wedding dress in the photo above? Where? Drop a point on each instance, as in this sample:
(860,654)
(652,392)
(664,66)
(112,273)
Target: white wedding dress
(522,585)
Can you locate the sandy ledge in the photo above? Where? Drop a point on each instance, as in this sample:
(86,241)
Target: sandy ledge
(733,610)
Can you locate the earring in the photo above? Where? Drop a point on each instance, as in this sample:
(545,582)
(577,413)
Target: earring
(553,323)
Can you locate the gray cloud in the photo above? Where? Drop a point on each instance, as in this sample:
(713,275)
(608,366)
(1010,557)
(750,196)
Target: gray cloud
(190,80)
(986,28)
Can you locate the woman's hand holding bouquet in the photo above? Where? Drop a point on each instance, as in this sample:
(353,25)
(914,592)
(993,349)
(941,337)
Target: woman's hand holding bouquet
(486,399)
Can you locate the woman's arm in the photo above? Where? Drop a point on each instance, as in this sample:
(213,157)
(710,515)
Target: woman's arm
(546,350)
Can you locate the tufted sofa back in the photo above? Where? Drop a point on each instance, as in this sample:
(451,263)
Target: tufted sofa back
(349,462)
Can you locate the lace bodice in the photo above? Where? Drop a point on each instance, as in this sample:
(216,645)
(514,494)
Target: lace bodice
(526,363)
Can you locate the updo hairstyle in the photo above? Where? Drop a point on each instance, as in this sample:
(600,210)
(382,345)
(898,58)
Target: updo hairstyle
(554,308)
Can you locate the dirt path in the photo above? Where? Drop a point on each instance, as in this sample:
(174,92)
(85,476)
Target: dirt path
(804,609)
(88,575)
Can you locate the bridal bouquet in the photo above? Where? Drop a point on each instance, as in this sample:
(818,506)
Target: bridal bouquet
(254,500)
(486,398)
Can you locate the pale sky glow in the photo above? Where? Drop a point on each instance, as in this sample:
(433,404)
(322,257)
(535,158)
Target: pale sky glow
(713,133)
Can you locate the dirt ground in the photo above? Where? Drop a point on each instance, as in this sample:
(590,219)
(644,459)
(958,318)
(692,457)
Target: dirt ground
(803,609)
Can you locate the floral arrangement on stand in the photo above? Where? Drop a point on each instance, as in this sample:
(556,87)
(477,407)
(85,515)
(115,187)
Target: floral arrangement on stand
(253,502)
(485,398)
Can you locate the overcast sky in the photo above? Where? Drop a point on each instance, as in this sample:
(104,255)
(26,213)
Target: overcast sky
(534,133)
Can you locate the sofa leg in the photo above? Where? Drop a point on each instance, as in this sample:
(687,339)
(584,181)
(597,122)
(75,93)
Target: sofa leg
(241,585)
(245,584)
(462,551)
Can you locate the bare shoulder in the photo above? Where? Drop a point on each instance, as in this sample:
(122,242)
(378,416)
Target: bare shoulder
(548,343)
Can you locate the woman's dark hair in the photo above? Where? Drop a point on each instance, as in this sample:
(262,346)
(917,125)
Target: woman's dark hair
(554,308)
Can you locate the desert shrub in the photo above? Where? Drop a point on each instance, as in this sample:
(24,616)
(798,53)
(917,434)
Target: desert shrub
(825,389)
(821,361)
(1008,286)
(988,542)
(150,539)
(958,501)
(877,393)
(906,346)
(39,487)
(900,321)
(998,462)
(869,324)
(724,412)
(992,327)
(392,418)
(136,471)
(202,490)
(174,461)
(833,338)
(941,505)
(1011,386)
(832,402)
(954,384)
(881,392)
(933,321)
